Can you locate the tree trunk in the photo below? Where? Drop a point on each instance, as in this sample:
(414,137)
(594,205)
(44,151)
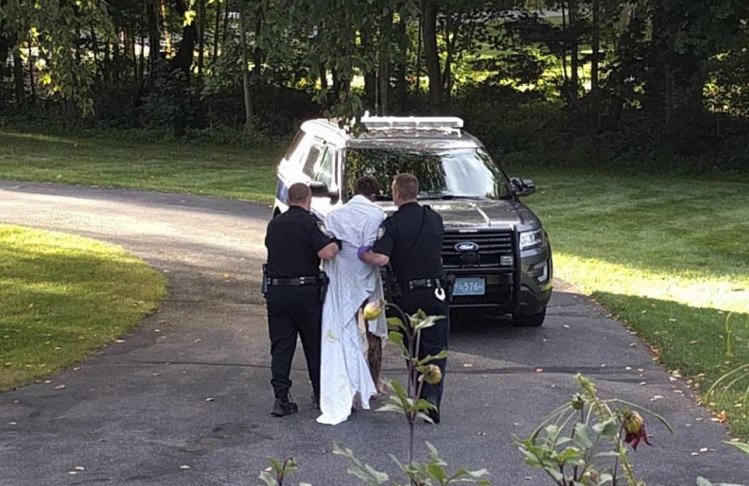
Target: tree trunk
(216,31)
(386,28)
(32,83)
(248,112)
(7,42)
(595,45)
(141,61)
(225,34)
(201,39)
(431,54)
(18,76)
(164,25)
(323,76)
(401,66)
(451,40)
(184,57)
(257,53)
(154,39)
(106,66)
(417,67)
(565,27)
(574,54)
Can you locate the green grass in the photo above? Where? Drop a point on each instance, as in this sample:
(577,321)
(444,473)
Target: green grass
(669,256)
(62,297)
(161,166)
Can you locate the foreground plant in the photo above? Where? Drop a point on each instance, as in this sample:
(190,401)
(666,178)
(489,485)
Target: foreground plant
(405,332)
(584,442)
(743,447)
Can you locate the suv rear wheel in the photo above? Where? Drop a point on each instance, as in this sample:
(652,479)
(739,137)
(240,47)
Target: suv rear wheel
(530,320)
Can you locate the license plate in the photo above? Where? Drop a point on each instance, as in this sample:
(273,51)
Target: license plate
(469,286)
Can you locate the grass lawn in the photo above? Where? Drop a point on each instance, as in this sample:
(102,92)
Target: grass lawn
(168,167)
(62,297)
(669,256)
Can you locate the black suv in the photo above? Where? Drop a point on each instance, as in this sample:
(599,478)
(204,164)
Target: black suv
(495,247)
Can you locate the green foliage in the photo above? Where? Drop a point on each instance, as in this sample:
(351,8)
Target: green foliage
(278,472)
(669,76)
(584,442)
(66,70)
(405,333)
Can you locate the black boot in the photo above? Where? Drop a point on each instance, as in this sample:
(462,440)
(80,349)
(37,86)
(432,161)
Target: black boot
(433,413)
(283,407)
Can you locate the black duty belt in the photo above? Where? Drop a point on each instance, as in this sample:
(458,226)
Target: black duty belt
(424,283)
(295,281)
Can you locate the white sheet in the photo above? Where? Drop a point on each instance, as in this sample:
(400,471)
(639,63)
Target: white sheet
(343,368)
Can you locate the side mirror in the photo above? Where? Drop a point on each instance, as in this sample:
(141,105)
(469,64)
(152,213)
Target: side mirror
(522,187)
(320,189)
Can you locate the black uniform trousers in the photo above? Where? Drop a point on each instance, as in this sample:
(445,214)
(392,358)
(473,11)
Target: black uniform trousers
(292,311)
(433,339)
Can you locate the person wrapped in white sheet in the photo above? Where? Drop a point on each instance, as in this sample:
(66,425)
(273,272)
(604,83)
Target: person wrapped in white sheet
(344,373)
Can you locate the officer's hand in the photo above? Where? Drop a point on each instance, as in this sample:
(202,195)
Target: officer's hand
(363,249)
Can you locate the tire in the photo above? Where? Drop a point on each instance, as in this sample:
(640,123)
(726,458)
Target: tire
(530,320)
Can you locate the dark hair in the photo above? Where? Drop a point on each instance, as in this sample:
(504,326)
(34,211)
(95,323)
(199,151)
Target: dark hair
(407,185)
(298,193)
(367,186)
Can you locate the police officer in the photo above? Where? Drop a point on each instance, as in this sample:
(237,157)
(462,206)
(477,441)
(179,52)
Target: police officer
(410,240)
(296,241)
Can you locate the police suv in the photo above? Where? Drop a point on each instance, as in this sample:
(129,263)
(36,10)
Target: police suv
(495,247)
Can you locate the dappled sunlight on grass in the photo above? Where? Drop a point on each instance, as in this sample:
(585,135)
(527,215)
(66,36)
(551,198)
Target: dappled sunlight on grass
(589,274)
(165,166)
(700,344)
(37,137)
(62,297)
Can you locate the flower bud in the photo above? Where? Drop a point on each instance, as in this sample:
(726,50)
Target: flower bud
(577,402)
(633,422)
(372,310)
(432,374)
(634,428)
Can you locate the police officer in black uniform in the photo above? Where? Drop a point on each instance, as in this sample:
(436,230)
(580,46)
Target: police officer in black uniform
(410,240)
(296,241)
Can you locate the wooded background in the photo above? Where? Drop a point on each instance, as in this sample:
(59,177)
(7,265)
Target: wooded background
(598,79)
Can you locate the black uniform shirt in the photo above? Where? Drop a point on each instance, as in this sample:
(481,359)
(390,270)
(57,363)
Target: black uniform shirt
(293,240)
(412,238)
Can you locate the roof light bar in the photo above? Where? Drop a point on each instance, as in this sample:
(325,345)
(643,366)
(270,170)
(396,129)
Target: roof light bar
(412,122)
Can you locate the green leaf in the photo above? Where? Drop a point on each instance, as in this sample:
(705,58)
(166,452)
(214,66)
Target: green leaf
(437,472)
(391,407)
(743,447)
(608,428)
(582,436)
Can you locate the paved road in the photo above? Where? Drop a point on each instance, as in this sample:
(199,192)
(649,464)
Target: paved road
(185,399)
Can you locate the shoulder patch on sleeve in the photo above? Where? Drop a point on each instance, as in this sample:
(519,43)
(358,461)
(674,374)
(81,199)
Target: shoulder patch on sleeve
(381,231)
(323,229)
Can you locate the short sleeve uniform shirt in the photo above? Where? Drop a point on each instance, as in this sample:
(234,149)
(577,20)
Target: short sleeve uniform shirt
(293,240)
(412,238)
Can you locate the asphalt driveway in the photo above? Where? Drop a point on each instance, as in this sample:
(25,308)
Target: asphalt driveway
(185,399)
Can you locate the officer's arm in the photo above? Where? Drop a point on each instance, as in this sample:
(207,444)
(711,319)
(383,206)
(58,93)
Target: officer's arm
(379,254)
(375,259)
(328,251)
